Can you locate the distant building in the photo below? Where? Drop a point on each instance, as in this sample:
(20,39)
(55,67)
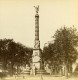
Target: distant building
(49,42)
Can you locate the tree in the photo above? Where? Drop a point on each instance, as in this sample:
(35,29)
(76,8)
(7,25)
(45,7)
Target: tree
(12,53)
(18,55)
(4,52)
(51,56)
(63,50)
(23,54)
(66,41)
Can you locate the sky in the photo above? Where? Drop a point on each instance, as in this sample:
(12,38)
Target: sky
(17,19)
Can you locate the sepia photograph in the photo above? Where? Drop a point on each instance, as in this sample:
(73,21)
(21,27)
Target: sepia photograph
(38,39)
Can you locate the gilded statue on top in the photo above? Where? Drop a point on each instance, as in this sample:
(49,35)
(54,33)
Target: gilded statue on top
(36,8)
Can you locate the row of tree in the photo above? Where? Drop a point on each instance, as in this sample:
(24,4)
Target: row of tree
(13,54)
(63,50)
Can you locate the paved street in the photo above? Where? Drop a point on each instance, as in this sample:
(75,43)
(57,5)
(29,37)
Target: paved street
(40,78)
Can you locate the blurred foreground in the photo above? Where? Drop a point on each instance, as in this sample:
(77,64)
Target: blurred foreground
(40,78)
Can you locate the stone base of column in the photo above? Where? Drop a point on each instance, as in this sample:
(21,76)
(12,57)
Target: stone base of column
(37,62)
(36,58)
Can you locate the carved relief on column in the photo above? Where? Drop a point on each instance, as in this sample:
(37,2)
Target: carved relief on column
(37,44)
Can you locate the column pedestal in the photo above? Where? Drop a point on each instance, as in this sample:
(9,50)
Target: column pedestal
(36,58)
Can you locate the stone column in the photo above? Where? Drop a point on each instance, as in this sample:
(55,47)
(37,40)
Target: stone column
(36,59)
(36,27)
(37,42)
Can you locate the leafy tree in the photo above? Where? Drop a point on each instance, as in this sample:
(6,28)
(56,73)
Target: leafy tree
(49,52)
(19,54)
(12,53)
(51,56)
(66,41)
(4,52)
(63,50)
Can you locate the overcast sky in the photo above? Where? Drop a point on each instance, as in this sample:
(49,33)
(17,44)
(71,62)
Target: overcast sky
(17,19)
